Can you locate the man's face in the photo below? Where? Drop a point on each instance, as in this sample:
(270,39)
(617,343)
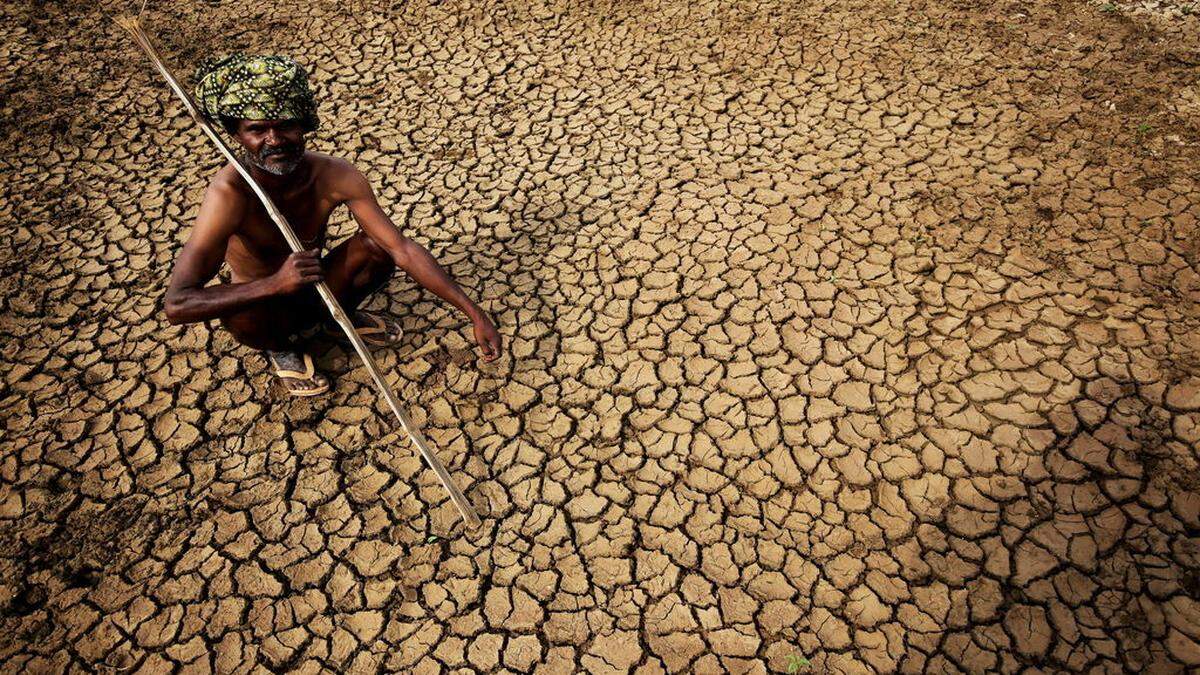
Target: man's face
(275,146)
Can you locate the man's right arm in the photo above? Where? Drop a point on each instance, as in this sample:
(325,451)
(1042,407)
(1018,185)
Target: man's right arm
(188,299)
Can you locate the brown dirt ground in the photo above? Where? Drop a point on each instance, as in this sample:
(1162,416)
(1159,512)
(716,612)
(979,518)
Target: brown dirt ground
(844,336)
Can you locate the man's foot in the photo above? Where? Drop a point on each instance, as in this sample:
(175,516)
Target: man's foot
(297,373)
(374,329)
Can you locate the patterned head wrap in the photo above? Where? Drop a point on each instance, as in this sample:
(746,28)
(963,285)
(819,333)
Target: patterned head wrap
(242,86)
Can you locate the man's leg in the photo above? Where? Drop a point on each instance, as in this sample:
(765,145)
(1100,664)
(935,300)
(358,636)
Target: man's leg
(268,326)
(356,268)
(353,270)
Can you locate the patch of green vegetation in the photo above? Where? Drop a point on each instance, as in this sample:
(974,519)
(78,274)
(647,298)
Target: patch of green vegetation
(796,662)
(1108,7)
(1141,133)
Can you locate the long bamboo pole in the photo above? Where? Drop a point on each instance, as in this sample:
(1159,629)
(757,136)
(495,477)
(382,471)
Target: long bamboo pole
(134,26)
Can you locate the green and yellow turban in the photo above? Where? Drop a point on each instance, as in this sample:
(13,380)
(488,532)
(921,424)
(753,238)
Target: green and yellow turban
(242,86)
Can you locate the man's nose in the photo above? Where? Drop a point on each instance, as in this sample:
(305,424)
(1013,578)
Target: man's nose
(272,138)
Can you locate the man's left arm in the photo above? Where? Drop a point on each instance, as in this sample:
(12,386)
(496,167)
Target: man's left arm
(411,256)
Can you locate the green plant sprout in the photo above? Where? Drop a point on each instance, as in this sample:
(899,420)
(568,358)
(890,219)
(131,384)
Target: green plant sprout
(795,663)
(1108,7)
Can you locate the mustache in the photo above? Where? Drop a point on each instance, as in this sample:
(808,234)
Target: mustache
(286,150)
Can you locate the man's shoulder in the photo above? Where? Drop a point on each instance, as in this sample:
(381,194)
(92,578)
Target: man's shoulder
(335,167)
(338,177)
(227,197)
(227,183)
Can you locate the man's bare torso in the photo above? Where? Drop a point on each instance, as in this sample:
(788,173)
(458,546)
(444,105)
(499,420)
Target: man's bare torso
(257,248)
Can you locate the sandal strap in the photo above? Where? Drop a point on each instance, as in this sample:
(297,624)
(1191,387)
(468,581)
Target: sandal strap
(309,369)
(379,327)
(384,331)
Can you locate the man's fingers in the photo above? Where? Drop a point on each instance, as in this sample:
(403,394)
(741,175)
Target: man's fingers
(491,347)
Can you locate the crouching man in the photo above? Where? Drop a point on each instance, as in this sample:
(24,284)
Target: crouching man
(265,103)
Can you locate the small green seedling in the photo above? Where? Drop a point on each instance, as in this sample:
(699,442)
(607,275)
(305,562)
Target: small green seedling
(796,662)
(1143,129)
(1108,7)
(431,538)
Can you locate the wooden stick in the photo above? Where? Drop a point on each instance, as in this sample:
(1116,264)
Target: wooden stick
(134,26)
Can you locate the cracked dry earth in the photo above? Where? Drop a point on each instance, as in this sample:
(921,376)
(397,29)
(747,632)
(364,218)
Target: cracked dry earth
(843,337)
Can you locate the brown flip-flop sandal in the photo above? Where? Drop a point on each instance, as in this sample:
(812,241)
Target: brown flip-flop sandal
(308,375)
(379,331)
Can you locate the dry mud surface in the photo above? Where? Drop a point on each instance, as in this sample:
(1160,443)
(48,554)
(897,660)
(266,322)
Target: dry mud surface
(843,336)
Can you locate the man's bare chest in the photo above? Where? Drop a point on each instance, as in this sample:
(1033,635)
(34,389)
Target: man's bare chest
(308,215)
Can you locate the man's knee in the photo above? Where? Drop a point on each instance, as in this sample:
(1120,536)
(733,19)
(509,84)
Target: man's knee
(257,330)
(376,254)
(246,332)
